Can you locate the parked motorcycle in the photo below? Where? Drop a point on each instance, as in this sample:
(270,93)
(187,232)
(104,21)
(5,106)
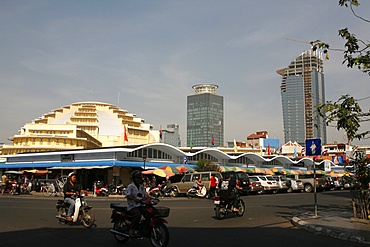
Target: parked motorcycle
(163,190)
(224,207)
(193,192)
(82,214)
(153,228)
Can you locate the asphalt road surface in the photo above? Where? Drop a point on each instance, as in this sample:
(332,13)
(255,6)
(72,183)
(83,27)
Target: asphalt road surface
(30,221)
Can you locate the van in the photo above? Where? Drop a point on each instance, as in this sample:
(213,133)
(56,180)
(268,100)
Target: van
(187,180)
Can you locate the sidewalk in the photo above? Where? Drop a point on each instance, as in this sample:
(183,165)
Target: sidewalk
(335,224)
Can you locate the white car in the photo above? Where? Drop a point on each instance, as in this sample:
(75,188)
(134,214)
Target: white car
(268,183)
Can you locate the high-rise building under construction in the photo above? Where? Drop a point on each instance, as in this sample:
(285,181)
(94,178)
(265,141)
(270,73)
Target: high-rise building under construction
(303,88)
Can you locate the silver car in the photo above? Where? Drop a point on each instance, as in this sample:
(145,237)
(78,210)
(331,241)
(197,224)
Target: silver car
(268,183)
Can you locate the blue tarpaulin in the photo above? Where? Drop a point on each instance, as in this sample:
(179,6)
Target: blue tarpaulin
(86,164)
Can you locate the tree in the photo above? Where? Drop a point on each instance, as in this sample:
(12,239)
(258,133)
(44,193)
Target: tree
(206,165)
(347,113)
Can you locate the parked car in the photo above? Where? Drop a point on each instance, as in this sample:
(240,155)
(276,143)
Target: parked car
(308,181)
(255,186)
(337,184)
(187,180)
(281,181)
(330,185)
(242,180)
(268,183)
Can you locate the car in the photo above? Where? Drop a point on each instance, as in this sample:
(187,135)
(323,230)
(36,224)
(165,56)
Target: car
(187,180)
(242,180)
(268,183)
(281,181)
(255,186)
(337,184)
(308,181)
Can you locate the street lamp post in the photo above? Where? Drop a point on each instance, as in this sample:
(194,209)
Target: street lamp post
(144,159)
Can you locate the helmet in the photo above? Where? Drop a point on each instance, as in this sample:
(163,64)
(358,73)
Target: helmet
(136,173)
(71,174)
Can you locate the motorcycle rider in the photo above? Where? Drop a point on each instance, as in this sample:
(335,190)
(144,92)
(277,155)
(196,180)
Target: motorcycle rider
(135,192)
(71,188)
(198,185)
(228,190)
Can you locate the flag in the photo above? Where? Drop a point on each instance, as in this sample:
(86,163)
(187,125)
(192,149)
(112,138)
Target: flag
(160,133)
(125,138)
(186,160)
(325,152)
(268,149)
(235,147)
(295,153)
(213,140)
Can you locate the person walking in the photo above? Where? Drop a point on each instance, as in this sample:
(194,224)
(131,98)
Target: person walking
(212,186)
(4,180)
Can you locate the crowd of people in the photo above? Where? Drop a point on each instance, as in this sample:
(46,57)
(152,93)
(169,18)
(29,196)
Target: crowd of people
(21,183)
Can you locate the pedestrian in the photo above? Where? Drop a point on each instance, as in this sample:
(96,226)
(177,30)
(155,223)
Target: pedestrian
(212,186)
(4,180)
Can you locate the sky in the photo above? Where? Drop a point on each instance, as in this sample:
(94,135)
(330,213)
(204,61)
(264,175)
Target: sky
(145,56)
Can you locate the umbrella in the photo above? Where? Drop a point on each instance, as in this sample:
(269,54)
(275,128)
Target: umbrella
(184,169)
(231,169)
(37,172)
(159,172)
(13,172)
(170,169)
(279,170)
(268,171)
(254,170)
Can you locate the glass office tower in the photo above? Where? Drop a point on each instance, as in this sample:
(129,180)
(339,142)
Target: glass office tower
(302,88)
(205,117)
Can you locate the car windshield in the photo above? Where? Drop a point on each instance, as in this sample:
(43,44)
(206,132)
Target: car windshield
(271,179)
(253,179)
(263,178)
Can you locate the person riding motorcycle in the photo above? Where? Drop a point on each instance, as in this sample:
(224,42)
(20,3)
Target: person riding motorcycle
(198,185)
(228,190)
(71,188)
(135,192)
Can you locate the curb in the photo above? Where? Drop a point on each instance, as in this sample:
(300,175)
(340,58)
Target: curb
(326,231)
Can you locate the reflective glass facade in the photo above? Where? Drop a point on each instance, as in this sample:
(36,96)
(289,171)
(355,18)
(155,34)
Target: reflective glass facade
(205,117)
(302,88)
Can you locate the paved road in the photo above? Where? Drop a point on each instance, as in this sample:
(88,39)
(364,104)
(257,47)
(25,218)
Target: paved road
(31,222)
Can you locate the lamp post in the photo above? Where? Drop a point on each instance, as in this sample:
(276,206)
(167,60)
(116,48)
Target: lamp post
(144,159)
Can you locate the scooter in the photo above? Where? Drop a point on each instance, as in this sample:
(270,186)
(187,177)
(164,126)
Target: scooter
(153,227)
(193,192)
(82,214)
(224,207)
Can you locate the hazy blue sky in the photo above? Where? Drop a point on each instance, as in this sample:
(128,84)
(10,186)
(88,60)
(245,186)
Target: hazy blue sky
(145,56)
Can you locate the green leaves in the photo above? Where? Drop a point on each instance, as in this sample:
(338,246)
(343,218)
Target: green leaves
(348,115)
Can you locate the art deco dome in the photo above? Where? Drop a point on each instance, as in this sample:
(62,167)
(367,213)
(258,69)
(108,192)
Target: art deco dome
(81,125)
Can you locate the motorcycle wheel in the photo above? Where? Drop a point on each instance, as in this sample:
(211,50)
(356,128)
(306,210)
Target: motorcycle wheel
(120,226)
(241,208)
(61,213)
(88,218)
(220,213)
(47,191)
(160,236)
(174,193)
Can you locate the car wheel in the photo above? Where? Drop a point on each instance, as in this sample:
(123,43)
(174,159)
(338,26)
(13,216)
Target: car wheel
(308,188)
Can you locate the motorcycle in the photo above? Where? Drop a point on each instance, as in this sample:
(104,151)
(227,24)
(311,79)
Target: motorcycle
(153,228)
(224,207)
(163,190)
(193,192)
(82,214)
